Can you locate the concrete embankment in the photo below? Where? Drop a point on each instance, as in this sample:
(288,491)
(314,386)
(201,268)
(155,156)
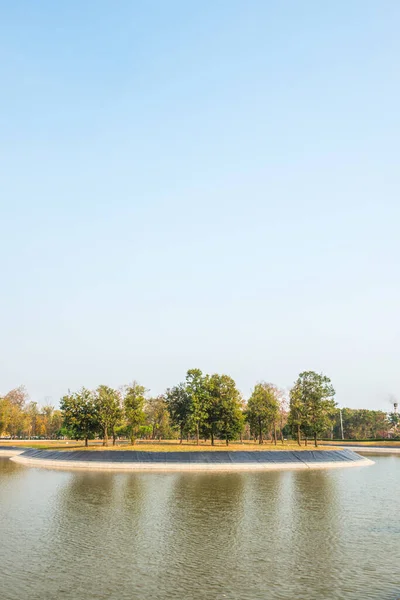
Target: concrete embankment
(191,461)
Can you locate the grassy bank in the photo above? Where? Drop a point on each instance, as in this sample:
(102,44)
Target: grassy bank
(161,446)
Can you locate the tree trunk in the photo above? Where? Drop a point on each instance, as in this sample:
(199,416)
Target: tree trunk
(315,440)
(86,442)
(227,442)
(275,433)
(105,440)
(181,438)
(212,436)
(197,434)
(133,440)
(298,435)
(260,439)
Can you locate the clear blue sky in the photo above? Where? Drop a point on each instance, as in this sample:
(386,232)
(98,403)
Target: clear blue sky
(209,184)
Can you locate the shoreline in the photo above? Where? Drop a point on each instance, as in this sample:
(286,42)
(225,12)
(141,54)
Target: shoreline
(12,451)
(372,449)
(179,468)
(190,461)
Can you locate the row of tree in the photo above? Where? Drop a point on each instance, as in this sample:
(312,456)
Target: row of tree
(362,424)
(21,418)
(203,406)
(209,406)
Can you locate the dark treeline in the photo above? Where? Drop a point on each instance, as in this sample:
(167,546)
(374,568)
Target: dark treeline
(202,407)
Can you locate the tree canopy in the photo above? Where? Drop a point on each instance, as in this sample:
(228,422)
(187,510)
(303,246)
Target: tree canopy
(134,402)
(207,406)
(80,414)
(312,404)
(263,409)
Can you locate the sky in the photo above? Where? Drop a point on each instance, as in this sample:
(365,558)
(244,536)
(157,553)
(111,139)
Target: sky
(210,185)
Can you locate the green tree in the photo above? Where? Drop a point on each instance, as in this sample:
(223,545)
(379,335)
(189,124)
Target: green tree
(157,416)
(145,431)
(394,420)
(80,414)
(109,411)
(5,416)
(312,404)
(179,402)
(56,424)
(283,413)
(263,410)
(33,414)
(297,407)
(379,423)
(14,420)
(134,402)
(197,389)
(47,413)
(224,414)
(360,423)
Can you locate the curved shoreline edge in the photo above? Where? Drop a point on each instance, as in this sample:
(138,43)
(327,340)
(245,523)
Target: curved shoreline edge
(373,449)
(8,453)
(187,461)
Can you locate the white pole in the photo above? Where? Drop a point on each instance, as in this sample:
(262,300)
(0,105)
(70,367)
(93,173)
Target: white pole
(341,423)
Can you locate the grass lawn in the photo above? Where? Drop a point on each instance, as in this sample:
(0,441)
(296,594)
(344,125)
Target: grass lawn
(160,446)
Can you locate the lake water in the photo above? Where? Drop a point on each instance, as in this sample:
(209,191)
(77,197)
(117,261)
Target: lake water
(312,535)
